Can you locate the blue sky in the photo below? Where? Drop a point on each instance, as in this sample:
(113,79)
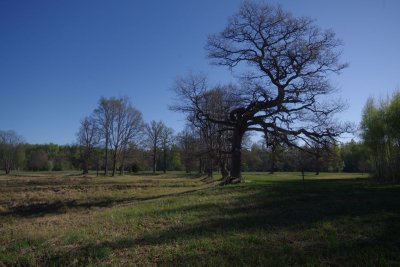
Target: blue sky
(58,57)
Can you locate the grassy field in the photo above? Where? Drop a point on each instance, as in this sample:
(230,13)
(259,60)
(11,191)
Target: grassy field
(65,219)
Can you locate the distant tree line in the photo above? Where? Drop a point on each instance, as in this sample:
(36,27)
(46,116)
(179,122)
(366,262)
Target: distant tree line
(185,151)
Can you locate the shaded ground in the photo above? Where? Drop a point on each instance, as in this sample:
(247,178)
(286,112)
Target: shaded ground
(166,220)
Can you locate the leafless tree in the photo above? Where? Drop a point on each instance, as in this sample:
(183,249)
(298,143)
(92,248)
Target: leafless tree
(273,142)
(188,142)
(88,138)
(154,131)
(282,92)
(104,115)
(167,138)
(125,128)
(119,123)
(216,102)
(10,143)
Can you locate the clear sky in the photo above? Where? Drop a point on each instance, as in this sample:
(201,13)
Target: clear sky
(58,57)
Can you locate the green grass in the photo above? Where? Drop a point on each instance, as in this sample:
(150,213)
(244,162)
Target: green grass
(273,220)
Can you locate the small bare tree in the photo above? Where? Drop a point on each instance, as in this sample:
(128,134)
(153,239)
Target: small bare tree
(188,143)
(154,132)
(104,115)
(88,138)
(167,138)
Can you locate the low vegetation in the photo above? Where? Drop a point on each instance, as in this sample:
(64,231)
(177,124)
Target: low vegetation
(69,219)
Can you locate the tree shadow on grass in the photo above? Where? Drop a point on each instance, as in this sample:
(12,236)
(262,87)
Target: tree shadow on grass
(276,210)
(287,206)
(57,207)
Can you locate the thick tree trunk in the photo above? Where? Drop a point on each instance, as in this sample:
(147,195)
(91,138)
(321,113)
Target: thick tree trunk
(236,168)
(224,170)
(236,161)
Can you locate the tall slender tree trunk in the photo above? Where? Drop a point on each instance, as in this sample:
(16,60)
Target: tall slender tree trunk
(165,160)
(211,170)
(114,162)
(210,167)
(106,158)
(122,170)
(97,166)
(201,165)
(86,156)
(7,168)
(154,159)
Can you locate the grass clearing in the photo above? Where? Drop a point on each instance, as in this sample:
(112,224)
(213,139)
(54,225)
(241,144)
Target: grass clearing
(330,219)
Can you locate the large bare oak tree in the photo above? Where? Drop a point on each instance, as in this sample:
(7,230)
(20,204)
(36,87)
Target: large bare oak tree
(284,63)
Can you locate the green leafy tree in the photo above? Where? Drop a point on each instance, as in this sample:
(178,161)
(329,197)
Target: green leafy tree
(381,134)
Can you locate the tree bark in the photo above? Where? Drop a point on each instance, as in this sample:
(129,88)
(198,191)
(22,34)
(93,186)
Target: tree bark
(236,168)
(224,170)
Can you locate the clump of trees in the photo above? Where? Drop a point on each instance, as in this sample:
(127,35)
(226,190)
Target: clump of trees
(158,137)
(116,136)
(115,124)
(11,153)
(380,128)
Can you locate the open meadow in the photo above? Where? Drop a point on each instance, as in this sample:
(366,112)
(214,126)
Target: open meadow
(65,219)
